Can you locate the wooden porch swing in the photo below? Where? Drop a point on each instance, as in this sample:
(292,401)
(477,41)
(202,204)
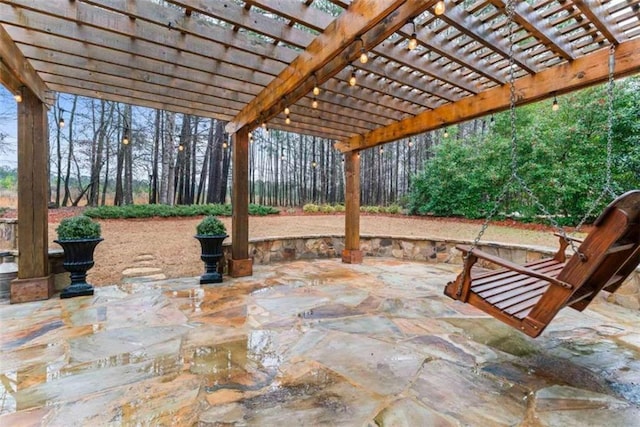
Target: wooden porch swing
(529,296)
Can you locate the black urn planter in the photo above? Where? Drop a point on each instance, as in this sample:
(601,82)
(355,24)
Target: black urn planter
(211,255)
(78,259)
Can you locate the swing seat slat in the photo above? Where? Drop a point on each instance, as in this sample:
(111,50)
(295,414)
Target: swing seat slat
(529,296)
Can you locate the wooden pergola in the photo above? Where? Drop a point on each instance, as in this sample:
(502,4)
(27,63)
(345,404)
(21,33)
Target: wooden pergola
(244,61)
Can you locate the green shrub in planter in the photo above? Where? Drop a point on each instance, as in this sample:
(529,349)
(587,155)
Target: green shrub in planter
(211,226)
(78,227)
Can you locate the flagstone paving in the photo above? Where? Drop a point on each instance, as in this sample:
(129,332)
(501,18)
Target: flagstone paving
(311,343)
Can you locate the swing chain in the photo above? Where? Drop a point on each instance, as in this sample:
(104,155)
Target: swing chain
(514,158)
(514,161)
(606,189)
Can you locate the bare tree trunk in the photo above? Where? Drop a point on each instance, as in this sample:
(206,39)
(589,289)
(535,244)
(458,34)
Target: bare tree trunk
(67,191)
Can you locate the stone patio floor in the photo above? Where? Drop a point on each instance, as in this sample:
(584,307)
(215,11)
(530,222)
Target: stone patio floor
(311,343)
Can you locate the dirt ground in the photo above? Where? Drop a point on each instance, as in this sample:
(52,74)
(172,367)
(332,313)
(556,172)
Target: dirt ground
(170,240)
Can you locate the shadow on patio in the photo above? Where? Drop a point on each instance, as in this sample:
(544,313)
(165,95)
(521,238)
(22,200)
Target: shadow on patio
(309,343)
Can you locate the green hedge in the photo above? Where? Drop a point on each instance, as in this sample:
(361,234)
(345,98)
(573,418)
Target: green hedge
(148,211)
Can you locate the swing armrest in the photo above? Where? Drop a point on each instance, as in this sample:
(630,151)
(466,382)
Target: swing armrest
(575,239)
(512,266)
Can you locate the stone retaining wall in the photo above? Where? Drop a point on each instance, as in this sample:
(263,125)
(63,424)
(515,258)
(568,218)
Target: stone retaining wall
(277,249)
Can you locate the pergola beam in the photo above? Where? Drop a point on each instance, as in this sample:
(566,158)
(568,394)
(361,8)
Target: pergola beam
(16,71)
(329,53)
(585,71)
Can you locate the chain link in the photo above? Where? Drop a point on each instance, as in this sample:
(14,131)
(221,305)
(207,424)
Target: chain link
(607,188)
(514,160)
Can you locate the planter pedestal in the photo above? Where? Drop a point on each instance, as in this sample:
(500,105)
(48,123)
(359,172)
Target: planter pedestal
(78,259)
(211,254)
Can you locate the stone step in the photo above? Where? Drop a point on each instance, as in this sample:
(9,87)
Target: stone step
(144,257)
(141,271)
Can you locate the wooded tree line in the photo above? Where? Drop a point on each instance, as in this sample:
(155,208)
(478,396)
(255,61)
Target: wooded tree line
(107,152)
(174,158)
(561,157)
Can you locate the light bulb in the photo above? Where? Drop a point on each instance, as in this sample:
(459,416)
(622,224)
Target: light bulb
(125,140)
(555,106)
(287,120)
(381,150)
(413,42)
(17,97)
(225,145)
(410,143)
(363,56)
(180,147)
(316,90)
(287,110)
(314,164)
(314,104)
(264,125)
(61,122)
(440,8)
(446,134)
(352,80)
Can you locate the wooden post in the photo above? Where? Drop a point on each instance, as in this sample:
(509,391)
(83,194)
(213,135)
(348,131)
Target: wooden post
(240,264)
(34,281)
(352,253)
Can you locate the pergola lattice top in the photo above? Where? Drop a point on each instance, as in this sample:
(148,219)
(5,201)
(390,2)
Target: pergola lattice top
(244,61)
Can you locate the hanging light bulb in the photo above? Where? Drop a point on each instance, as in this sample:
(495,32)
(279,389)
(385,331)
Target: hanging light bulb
(264,125)
(413,41)
(225,145)
(440,8)
(287,120)
(410,143)
(17,97)
(314,103)
(125,141)
(352,79)
(446,134)
(314,164)
(555,106)
(61,122)
(363,56)
(287,111)
(363,53)
(180,147)
(381,150)
(316,90)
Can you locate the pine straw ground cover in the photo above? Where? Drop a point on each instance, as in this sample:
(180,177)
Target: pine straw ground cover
(171,243)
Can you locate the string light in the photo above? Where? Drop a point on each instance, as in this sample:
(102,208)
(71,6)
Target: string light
(17,97)
(287,120)
(314,103)
(61,121)
(125,141)
(440,8)
(381,150)
(352,79)
(555,106)
(363,53)
(413,41)
(225,145)
(410,143)
(180,147)
(314,164)
(264,125)
(446,134)
(287,111)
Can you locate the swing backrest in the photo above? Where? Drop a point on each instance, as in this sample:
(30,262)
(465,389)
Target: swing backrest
(609,250)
